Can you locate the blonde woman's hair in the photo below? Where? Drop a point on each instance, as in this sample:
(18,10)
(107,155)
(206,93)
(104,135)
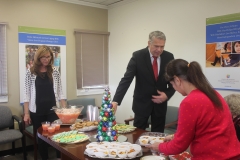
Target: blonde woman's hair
(233,101)
(41,52)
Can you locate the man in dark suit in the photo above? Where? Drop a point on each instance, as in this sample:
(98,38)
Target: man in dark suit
(151,91)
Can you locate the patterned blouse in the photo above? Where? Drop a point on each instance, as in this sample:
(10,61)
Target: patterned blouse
(30,89)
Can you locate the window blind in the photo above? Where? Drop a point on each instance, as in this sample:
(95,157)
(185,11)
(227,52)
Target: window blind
(3,64)
(91,59)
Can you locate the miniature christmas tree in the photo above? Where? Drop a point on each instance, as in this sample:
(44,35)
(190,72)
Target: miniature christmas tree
(106,127)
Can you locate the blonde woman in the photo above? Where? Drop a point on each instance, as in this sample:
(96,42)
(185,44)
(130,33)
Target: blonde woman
(42,91)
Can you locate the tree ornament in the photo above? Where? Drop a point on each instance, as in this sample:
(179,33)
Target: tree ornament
(110,106)
(110,114)
(109,128)
(106,114)
(111,138)
(109,133)
(99,133)
(110,124)
(105,105)
(101,113)
(99,127)
(104,118)
(100,138)
(104,129)
(104,134)
(113,133)
(107,138)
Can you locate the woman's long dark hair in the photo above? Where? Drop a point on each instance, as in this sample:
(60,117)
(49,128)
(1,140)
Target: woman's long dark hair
(192,73)
(233,46)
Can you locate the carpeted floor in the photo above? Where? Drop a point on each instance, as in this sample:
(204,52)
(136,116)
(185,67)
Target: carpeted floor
(30,155)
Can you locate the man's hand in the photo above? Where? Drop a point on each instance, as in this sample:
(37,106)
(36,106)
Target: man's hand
(160,98)
(115,104)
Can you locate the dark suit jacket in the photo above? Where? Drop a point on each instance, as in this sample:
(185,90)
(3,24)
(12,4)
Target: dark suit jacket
(145,86)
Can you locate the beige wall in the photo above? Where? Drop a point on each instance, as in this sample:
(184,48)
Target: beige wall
(47,14)
(183,22)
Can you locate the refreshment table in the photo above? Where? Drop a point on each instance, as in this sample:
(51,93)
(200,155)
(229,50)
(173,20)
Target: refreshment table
(76,151)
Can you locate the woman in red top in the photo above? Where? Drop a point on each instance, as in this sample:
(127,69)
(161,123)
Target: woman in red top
(204,120)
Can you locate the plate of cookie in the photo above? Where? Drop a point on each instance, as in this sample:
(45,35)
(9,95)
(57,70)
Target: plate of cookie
(59,121)
(69,137)
(84,126)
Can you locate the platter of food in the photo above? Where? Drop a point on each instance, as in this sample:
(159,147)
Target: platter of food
(153,158)
(124,128)
(183,156)
(59,121)
(148,138)
(69,137)
(113,150)
(83,126)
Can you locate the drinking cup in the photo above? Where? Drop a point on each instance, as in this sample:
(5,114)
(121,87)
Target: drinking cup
(51,128)
(89,112)
(95,113)
(45,125)
(57,125)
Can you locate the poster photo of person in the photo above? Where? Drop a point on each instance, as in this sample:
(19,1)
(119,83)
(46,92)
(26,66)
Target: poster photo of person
(218,53)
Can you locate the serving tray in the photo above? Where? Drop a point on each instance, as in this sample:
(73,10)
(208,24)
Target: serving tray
(151,134)
(59,121)
(93,156)
(72,142)
(124,128)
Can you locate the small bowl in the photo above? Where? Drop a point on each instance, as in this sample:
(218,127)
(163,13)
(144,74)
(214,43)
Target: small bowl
(122,153)
(143,141)
(112,152)
(69,114)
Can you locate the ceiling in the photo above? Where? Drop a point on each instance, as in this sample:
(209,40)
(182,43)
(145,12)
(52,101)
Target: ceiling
(105,4)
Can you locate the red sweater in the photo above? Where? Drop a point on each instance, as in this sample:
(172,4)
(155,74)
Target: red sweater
(209,131)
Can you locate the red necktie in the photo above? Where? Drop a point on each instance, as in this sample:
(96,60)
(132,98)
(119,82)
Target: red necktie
(155,68)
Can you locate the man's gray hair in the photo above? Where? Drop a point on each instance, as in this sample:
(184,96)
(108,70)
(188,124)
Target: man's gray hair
(233,101)
(158,35)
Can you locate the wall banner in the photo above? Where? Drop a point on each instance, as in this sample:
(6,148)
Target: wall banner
(223,51)
(30,38)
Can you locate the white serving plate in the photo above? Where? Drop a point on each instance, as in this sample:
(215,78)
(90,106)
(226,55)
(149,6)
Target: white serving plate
(81,140)
(138,155)
(85,129)
(77,120)
(153,158)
